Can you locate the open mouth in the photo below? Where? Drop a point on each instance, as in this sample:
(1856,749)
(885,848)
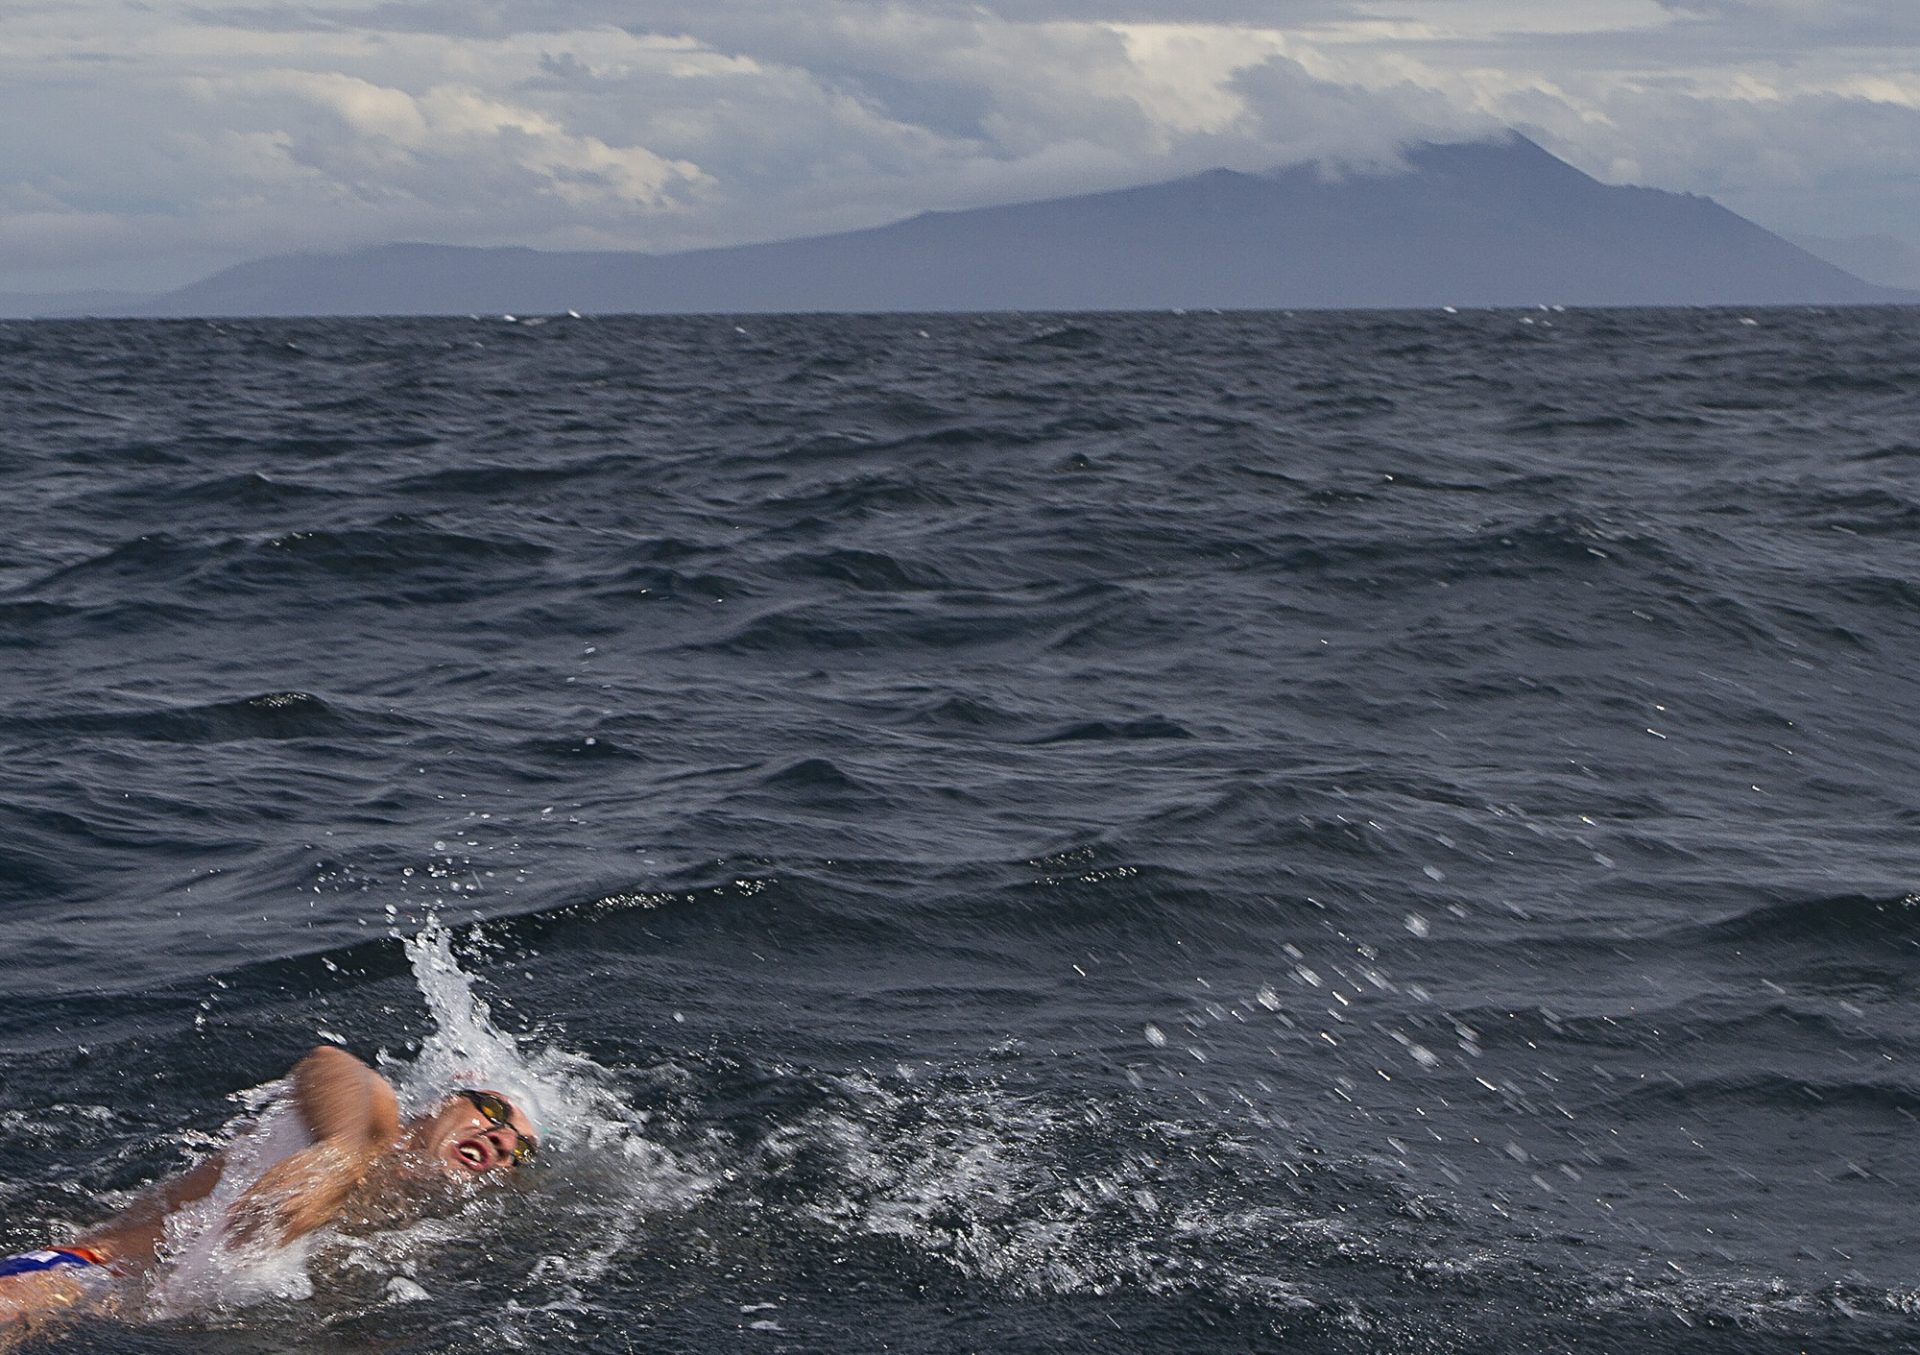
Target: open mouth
(474,1154)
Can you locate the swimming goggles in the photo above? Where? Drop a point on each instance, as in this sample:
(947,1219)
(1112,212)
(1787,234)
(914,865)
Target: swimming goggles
(500,1115)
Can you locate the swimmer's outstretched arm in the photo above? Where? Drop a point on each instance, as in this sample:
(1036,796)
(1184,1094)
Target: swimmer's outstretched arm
(354,1119)
(132,1237)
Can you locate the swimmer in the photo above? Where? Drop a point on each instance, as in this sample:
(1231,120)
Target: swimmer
(358,1162)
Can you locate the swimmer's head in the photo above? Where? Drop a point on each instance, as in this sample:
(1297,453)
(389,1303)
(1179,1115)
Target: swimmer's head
(475,1132)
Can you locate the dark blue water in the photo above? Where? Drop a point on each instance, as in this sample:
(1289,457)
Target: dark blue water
(1150,833)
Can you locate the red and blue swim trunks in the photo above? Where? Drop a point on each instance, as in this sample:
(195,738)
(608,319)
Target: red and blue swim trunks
(52,1258)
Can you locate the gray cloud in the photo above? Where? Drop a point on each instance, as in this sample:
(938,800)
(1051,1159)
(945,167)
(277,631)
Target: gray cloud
(509,18)
(1298,117)
(1812,162)
(1771,24)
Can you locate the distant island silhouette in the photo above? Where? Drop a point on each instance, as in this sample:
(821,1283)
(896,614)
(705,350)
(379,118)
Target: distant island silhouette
(1474,224)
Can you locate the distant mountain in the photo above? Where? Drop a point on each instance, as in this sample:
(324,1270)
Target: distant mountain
(1477,224)
(1877,258)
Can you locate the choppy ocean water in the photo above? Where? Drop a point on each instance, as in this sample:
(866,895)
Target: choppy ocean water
(1348,833)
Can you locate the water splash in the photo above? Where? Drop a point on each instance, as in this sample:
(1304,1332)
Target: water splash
(601,1177)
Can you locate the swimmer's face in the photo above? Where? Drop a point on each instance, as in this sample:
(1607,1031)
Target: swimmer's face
(477,1132)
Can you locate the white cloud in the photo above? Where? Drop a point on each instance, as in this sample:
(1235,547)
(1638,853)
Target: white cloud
(395,133)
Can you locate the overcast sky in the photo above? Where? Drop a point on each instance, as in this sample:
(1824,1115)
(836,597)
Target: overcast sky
(144,143)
